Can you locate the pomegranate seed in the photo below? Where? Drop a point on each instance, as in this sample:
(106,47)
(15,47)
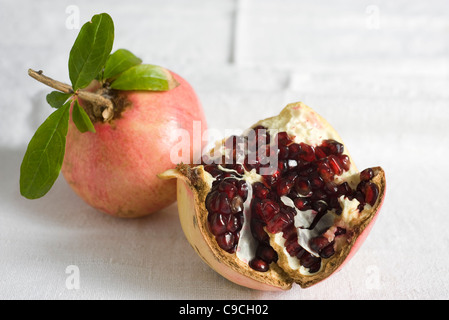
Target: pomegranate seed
(258,232)
(284,186)
(278,222)
(315,267)
(226,241)
(292,246)
(320,153)
(371,193)
(224,205)
(259,265)
(345,162)
(366,174)
(260,191)
(344,189)
(294,150)
(266,209)
(272,180)
(228,188)
(318,243)
(331,188)
(236,204)
(302,204)
(321,245)
(291,212)
(303,187)
(325,171)
(289,231)
(266,253)
(316,182)
(283,138)
(212,203)
(307,260)
(218,223)
(333,147)
(327,251)
(335,164)
(300,253)
(242,189)
(234,224)
(307,152)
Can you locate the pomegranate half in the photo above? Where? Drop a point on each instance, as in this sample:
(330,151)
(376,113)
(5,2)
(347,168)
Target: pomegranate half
(283,203)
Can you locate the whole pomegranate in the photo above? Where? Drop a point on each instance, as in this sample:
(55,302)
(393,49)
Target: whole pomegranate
(115,169)
(113,128)
(283,203)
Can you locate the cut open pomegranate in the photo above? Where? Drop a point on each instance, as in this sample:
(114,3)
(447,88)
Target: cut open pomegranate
(281,203)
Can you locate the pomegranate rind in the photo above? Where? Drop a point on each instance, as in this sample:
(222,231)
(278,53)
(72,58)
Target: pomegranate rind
(191,195)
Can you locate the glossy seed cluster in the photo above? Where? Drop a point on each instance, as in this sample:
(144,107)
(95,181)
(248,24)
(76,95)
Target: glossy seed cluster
(303,173)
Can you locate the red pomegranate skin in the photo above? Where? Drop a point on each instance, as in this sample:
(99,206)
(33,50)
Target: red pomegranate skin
(114,170)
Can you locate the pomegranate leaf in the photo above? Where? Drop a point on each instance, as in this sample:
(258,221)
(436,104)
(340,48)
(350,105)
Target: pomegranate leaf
(145,77)
(91,50)
(121,60)
(44,155)
(81,119)
(57,99)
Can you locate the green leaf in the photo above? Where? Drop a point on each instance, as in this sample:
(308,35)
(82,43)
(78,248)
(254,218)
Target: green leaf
(57,99)
(81,119)
(43,158)
(91,50)
(145,77)
(121,60)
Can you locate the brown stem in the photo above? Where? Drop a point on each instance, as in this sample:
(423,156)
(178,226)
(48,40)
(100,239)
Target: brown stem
(39,76)
(96,99)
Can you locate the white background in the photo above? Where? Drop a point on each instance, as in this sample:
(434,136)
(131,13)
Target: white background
(377,70)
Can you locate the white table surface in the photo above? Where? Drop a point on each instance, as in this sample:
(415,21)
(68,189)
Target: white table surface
(377,70)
